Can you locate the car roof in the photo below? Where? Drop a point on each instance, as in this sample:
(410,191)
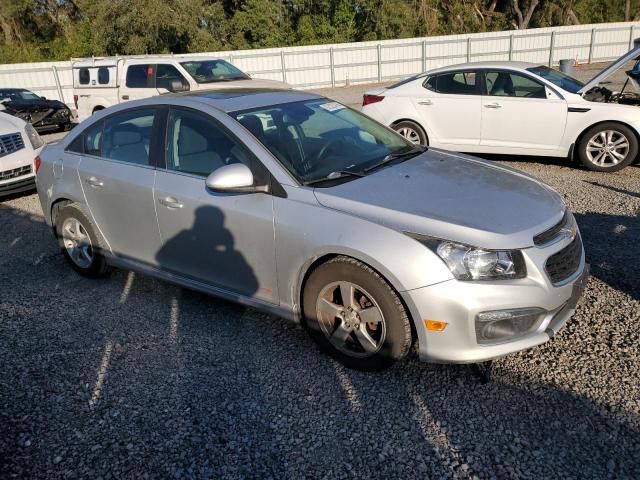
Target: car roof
(483,65)
(236,99)
(2,89)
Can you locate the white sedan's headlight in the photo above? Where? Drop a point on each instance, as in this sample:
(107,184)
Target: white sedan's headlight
(472,263)
(34,138)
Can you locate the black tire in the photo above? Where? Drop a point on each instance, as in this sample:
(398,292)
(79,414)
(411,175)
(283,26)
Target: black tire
(631,153)
(393,333)
(406,126)
(97,267)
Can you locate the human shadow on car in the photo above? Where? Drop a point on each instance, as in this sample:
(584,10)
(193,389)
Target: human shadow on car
(207,253)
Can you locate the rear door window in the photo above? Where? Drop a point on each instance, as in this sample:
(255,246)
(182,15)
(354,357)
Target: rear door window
(127,136)
(454,83)
(93,139)
(140,76)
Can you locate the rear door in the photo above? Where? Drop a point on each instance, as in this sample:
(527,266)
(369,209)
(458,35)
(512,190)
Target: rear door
(450,108)
(520,112)
(117,173)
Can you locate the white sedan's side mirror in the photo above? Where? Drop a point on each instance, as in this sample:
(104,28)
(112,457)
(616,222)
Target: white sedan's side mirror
(236,177)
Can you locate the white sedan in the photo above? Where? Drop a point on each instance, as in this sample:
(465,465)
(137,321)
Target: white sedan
(516,108)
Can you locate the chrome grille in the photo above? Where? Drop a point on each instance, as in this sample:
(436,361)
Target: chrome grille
(10,143)
(15,173)
(561,265)
(550,234)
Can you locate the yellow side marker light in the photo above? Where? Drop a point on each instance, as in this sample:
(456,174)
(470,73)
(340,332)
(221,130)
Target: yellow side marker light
(435,325)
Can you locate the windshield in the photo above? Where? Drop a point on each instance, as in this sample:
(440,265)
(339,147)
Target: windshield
(318,139)
(18,95)
(559,79)
(209,71)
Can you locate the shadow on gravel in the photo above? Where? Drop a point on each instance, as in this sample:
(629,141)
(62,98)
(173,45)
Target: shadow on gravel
(617,190)
(612,247)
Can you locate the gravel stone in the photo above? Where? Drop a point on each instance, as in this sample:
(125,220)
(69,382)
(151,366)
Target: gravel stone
(235,393)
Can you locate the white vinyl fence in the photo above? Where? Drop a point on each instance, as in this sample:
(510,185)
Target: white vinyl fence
(367,62)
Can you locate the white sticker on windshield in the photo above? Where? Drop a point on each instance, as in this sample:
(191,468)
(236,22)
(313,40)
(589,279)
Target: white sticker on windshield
(332,106)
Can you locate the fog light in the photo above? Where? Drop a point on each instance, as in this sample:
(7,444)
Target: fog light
(498,325)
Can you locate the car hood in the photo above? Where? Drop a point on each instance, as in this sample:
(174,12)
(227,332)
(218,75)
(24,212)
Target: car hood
(613,67)
(10,124)
(248,83)
(452,197)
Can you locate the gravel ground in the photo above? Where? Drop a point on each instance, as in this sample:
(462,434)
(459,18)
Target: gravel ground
(130,377)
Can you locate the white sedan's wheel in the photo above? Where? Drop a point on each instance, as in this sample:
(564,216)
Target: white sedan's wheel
(608,147)
(412,132)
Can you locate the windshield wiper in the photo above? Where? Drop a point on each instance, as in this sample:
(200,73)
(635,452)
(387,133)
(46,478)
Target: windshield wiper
(404,153)
(334,176)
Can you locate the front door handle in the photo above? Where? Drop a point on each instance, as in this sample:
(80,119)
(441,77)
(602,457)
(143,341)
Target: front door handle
(493,105)
(94,182)
(170,202)
(125,97)
(425,102)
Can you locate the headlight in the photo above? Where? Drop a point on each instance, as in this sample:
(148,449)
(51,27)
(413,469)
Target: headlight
(471,263)
(34,138)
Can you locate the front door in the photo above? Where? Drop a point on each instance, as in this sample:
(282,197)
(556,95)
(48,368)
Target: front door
(225,240)
(519,112)
(450,109)
(117,176)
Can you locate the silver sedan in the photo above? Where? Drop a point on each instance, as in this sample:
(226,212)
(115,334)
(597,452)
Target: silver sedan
(297,205)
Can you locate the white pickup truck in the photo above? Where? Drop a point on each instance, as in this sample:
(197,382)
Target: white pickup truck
(101,82)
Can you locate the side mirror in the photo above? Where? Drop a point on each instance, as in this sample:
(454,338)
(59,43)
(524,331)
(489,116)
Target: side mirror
(43,98)
(236,177)
(178,86)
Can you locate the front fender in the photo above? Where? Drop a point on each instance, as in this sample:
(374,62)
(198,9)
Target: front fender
(306,232)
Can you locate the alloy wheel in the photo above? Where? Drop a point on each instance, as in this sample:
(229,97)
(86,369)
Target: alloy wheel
(410,134)
(607,148)
(351,319)
(77,243)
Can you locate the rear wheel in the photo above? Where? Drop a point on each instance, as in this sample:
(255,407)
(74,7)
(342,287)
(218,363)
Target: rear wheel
(412,132)
(79,242)
(608,147)
(355,316)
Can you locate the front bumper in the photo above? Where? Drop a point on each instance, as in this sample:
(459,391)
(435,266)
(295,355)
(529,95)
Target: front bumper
(457,303)
(22,184)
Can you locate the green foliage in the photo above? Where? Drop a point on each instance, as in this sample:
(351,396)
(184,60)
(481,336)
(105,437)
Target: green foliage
(33,30)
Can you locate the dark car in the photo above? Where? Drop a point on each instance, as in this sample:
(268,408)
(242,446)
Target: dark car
(43,114)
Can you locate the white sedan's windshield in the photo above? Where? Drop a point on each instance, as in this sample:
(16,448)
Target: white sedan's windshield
(559,79)
(320,138)
(209,71)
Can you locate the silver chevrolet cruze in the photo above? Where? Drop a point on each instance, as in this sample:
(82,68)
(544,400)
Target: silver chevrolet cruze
(297,205)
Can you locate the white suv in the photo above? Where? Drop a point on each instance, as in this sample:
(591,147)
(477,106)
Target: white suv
(20,144)
(101,82)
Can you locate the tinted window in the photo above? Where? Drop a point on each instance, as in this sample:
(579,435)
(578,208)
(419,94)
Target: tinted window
(509,84)
(83,76)
(93,139)
(103,76)
(166,75)
(198,145)
(76,145)
(457,83)
(127,136)
(139,76)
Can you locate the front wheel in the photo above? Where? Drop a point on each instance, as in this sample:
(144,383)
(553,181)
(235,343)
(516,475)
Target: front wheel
(412,132)
(355,316)
(608,147)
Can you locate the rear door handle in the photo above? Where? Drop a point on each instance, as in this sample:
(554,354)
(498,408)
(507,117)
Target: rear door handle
(94,182)
(425,102)
(493,105)
(170,202)
(125,97)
